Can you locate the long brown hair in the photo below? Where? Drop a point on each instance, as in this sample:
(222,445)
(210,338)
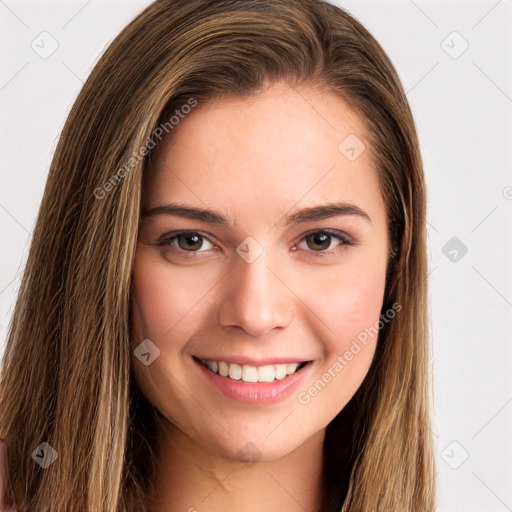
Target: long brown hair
(66,375)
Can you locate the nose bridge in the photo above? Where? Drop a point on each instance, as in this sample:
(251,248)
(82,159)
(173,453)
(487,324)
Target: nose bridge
(257,300)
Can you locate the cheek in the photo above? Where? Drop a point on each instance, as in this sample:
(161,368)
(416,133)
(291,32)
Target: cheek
(356,307)
(165,307)
(166,303)
(348,300)
(349,344)
(349,303)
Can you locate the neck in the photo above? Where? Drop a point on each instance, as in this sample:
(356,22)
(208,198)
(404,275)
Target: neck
(195,480)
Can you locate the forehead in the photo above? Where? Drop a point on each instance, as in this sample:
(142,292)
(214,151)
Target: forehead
(265,153)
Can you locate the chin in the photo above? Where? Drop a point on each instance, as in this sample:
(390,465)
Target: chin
(259,447)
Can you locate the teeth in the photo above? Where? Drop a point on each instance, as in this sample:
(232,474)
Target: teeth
(235,371)
(279,371)
(291,367)
(223,369)
(266,373)
(248,373)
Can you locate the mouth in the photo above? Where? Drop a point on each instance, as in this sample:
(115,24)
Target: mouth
(252,374)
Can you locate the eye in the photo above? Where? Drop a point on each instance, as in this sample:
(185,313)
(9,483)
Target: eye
(186,241)
(318,242)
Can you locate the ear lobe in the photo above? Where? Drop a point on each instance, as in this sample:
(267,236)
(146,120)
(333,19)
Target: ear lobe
(7,501)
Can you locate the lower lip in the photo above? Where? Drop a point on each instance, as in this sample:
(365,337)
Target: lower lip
(256,393)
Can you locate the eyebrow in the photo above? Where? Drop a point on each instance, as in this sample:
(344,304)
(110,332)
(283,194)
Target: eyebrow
(310,214)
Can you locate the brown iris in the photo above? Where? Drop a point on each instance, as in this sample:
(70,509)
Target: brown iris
(320,239)
(192,241)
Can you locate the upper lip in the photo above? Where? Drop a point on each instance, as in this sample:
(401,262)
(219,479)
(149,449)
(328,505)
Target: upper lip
(241,360)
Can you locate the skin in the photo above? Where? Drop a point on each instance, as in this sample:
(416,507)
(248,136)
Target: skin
(254,161)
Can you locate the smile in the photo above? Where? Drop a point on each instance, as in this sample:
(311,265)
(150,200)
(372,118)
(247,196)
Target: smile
(249,373)
(251,384)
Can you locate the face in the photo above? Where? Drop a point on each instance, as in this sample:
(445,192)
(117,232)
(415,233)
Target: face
(256,274)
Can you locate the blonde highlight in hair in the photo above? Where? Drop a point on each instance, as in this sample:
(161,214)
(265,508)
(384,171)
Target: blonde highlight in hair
(66,376)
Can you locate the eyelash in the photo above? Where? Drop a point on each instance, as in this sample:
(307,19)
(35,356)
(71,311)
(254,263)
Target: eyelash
(169,238)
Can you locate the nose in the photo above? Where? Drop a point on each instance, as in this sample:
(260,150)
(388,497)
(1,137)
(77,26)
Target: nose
(256,299)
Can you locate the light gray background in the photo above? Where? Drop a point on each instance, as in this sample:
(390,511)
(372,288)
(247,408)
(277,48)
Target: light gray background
(462,103)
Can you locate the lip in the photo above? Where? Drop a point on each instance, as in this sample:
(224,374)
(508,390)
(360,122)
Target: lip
(256,393)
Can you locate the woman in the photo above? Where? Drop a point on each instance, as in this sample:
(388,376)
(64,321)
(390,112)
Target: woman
(225,300)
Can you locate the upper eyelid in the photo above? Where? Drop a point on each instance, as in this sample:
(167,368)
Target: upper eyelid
(175,234)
